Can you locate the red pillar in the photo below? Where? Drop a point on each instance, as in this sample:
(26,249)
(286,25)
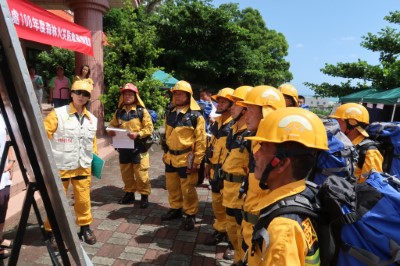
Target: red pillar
(89,14)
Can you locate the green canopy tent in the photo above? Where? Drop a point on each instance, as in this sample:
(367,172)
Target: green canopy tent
(168,80)
(387,97)
(358,96)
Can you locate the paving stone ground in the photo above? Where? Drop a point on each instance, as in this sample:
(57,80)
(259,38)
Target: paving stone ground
(128,235)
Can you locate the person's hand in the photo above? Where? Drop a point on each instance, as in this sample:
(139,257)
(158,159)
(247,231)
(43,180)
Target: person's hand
(132,135)
(111,133)
(194,169)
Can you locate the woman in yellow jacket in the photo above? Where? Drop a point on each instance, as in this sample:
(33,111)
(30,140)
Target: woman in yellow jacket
(133,116)
(71,130)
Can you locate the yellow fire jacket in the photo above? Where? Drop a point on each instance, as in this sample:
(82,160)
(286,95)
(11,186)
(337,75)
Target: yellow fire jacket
(373,160)
(292,241)
(235,166)
(184,132)
(131,122)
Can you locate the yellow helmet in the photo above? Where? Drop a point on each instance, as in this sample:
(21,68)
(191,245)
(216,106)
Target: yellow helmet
(182,86)
(224,93)
(240,93)
(292,124)
(352,111)
(265,96)
(82,86)
(289,90)
(185,86)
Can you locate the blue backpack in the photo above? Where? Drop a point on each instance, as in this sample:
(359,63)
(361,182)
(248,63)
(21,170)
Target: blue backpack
(154,116)
(356,224)
(385,136)
(339,159)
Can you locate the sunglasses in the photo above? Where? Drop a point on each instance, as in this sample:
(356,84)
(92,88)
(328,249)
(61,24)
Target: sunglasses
(84,93)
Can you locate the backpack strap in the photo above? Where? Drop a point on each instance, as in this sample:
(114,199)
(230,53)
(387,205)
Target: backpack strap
(370,259)
(362,148)
(139,111)
(300,204)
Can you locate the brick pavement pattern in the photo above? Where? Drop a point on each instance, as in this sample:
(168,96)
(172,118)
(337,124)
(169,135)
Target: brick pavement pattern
(128,235)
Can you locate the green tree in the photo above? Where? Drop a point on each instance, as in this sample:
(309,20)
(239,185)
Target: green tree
(219,47)
(361,75)
(49,60)
(129,57)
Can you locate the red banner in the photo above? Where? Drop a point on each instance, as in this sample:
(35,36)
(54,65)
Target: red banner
(36,24)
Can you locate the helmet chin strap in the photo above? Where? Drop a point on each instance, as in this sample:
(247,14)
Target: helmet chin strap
(272,164)
(279,155)
(240,115)
(349,127)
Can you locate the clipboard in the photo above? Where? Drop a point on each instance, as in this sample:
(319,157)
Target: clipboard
(121,139)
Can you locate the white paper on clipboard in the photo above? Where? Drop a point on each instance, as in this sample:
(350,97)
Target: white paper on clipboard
(121,140)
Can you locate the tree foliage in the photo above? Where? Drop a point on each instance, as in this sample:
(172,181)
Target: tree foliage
(361,75)
(219,47)
(129,57)
(49,60)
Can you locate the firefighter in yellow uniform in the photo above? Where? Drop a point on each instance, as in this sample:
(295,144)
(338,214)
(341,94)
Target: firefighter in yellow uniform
(133,116)
(260,101)
(71,130)
(184,150)
(290,94)
(234,171)
(215,155)
(288,141)
(353,118)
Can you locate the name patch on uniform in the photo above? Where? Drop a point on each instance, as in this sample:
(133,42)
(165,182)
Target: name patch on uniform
(309,232)
(64,140)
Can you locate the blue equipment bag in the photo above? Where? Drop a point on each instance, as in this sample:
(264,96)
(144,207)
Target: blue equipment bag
(374,239)
(386,137)
(154,116)
(357,224)
(339,159)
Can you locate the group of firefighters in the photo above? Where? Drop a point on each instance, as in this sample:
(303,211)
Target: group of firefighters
(262,147)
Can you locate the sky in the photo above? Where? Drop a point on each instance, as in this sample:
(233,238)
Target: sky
(322,32)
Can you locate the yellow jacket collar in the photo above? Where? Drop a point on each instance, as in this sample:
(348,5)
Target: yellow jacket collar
(275,195)
(72,110)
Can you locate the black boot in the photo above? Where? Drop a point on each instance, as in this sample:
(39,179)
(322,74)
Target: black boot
(52,240)
(172,214)
(144,201)
(217,237)
(87,235)
(189,222)
(128,198)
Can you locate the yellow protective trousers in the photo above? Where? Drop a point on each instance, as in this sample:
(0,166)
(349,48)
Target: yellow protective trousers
(182,190)
(234,231)
(82,207)
(136,175)
(218,209)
